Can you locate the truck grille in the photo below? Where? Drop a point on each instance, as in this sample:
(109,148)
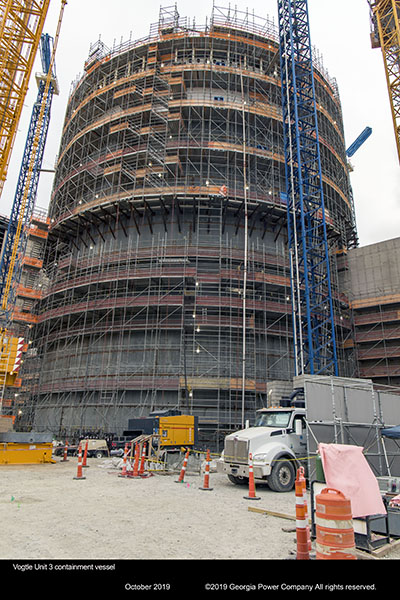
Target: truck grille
(236,451)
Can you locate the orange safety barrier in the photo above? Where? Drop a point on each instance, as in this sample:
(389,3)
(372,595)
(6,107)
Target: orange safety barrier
(252,487)
(302,537)
(79,471)
(183,470)
(206,484)
(31,261)
(124,471)
(334,526)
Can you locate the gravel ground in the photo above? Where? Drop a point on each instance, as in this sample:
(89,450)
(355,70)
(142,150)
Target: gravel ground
(47,514)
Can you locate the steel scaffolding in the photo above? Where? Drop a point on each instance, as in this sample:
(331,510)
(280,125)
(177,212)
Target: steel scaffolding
(167,270)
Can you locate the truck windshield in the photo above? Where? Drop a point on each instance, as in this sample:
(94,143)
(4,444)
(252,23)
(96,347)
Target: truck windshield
(273,419)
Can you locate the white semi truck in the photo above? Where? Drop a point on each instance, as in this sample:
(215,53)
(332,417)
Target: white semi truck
(277,442)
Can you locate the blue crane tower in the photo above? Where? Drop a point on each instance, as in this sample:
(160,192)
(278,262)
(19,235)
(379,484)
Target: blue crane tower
(311,292)
(24,199)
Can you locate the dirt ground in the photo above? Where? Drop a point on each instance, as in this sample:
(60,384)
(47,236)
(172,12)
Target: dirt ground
(47,514)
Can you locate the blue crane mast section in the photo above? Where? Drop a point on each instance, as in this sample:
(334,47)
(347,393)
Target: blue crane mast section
(364,135)
(18,205)
(311,292)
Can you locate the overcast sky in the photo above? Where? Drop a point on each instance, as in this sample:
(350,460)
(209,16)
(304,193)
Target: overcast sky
(340,30)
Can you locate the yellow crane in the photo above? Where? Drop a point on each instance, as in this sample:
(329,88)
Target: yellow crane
(6,341)
(21,25)
(385,18)
(34,151)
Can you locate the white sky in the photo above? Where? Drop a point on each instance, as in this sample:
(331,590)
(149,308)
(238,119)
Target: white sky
(339,30)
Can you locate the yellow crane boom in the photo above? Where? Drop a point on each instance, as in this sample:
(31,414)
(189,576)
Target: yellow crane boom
(34,151)
(21,25)
(386,35)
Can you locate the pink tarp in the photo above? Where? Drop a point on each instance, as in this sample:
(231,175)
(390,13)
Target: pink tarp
(347,470)
(395,501)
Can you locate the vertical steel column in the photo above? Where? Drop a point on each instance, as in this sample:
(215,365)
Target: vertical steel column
(313,321)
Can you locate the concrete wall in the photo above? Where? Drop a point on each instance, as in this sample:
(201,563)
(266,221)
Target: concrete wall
(373,270)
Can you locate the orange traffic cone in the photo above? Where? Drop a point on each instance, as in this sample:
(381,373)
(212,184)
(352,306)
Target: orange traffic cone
(183,470)
(124,469)
(301,519)
(65,452)
(252,487)
(79,472)
(135,472)
(206,484)
(85,454)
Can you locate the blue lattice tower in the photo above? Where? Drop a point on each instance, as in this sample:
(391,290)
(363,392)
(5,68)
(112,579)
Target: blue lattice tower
(313,318)
(39,130)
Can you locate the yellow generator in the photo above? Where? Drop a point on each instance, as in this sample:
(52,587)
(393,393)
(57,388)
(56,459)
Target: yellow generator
(173,430)
(179,430)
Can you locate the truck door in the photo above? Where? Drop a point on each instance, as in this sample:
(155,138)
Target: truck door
(298,442)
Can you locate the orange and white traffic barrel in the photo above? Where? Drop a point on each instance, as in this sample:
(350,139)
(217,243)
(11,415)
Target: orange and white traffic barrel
(334,526)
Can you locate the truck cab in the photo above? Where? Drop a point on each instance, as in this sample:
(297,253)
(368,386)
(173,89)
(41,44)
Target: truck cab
(277,442)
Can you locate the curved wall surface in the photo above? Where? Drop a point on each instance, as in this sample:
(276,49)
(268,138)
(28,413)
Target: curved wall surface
(167,267)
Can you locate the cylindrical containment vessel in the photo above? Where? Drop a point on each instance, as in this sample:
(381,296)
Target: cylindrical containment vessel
(167,272)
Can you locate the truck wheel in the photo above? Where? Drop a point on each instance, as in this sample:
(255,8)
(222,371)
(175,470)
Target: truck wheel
(98,454)
(282,477)
(238,480)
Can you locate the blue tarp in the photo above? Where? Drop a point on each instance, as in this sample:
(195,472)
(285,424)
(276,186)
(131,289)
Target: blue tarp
(391,432)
